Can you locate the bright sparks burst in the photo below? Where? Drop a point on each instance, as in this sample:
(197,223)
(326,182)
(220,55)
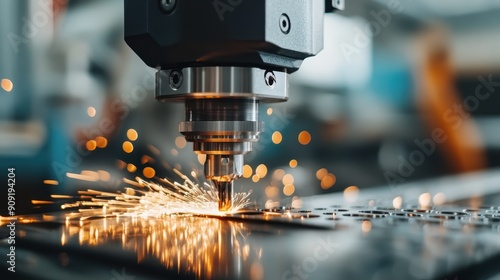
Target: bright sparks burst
(150,199)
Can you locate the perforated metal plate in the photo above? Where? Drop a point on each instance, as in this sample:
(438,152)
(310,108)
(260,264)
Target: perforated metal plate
(327,238)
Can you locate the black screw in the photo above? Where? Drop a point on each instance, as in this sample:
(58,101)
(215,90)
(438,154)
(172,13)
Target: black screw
(175,79)
(270,79)
(285,23)
(168,5)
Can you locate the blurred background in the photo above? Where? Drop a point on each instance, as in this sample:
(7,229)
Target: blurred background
(403,90)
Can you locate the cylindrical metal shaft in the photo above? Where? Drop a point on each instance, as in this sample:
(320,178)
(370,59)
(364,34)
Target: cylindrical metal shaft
(225,194)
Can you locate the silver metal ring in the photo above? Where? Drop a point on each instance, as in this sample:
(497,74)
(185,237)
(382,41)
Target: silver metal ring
(222,82)
(220,126)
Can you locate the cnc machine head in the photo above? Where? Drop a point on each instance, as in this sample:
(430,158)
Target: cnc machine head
(222,58)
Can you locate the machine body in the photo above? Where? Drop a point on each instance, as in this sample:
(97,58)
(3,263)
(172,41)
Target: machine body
(222,58)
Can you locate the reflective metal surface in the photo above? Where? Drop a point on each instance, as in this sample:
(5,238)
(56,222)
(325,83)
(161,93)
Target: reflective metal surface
(221,82)
(224,130)
(386,233)
(222,114)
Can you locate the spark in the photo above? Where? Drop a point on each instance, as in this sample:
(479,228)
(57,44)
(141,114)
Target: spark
(424,200)
(121,164)
(91,111)
(41,202)
(328,181)
(132,134)
(304,137)
(81,177)
(131,168)
(288,189)
(278,174)
(91,145)
(148,172)
(397,202)
(247,171)
(321,173)
(101,142)
(261,171)
(276,137)
(439,198)
(60,196)
(366,226)
(128,147)
(180,142)
(7,85)
(351,193)
(51,182)
(147,159)
(271,191)
(104,175)
(288,179)
(296,202)
(149,199)
(255,178)
(202,158)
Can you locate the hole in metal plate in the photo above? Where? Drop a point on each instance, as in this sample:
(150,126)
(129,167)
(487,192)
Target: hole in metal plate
(363,215)
(307,216)
(374,212)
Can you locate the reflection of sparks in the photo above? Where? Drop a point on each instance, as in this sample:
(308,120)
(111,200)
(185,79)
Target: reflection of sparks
(148,199)
(190,245)
(366,226)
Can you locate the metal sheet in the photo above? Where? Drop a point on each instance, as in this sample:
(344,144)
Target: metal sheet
(325,239)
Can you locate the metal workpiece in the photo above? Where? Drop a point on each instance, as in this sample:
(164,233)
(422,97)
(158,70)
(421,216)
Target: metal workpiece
(221,82)
(381,235)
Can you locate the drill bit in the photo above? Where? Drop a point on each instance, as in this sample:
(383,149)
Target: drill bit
(225,190)
(222,170)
